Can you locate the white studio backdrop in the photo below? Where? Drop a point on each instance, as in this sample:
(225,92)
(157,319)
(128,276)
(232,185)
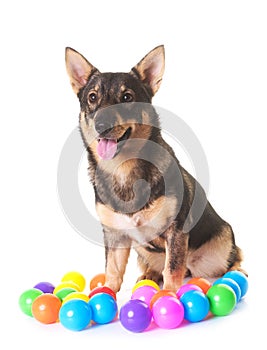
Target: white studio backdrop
(215,80)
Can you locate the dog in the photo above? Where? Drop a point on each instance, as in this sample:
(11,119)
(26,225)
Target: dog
(144,198)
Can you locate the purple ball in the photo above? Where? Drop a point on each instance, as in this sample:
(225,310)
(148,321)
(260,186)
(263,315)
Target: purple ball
(45,287)
(135,315)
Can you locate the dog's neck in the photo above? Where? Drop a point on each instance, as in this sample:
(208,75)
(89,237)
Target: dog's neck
(130,182)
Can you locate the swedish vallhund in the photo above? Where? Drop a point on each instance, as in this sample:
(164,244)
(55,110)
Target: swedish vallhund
(144,198)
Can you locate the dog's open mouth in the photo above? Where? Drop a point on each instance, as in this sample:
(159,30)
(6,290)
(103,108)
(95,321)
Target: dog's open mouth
(107,148)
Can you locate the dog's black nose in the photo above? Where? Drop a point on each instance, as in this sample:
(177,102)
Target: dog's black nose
(104,121)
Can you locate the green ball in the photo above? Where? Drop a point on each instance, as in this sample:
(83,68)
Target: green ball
(222,299)
(27,298)
(62,293)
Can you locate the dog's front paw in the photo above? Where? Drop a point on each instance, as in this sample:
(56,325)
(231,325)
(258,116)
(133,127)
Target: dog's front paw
(113,284)
(172,283)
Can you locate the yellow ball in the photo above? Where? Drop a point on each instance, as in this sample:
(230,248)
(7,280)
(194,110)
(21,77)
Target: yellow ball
(67,284)
(75,295)
(75,277)
(146,283)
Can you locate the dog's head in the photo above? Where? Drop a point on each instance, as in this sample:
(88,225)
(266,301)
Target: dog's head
(115,107)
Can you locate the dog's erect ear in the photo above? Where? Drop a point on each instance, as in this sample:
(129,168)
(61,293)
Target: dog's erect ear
(78,68)
(151,68)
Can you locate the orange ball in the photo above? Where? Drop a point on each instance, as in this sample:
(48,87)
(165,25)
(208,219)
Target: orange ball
(98,281)
(161,293)
(46,308)
(202,283)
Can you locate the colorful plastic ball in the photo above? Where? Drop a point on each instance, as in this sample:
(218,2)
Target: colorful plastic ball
(76,295)
(102,289)
(135,316)
(186,288)
(231,283)
(27,298)
(45,308)
(62,293)
(75,315)
(168,312)
(203,283)
(104,308)
(97,281)
(67,284)
(144,293)
(45,287)
(240,278)
(146,282)
(222,299)
(196,305)
(161,293)
(75,277)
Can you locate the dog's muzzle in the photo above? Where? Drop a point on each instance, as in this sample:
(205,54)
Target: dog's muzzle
(109,137)
(104,121)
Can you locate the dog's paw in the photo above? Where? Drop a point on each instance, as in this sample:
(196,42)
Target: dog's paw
(173,282)
(238,268)
(172,286)
(114,284)
(151,275)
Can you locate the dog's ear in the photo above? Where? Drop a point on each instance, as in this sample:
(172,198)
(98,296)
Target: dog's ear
(78,68)
(151,68)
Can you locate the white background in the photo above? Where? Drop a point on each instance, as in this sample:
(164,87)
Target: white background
(215,80)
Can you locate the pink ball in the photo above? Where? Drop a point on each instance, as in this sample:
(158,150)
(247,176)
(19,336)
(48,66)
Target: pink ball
(186,288)
(168,312)
(144,293)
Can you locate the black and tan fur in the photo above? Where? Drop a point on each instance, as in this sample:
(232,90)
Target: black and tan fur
(132,201)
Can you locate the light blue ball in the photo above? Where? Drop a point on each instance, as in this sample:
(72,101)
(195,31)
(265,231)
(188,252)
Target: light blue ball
(104,308)
(231,283)
(240,278)
(75,314)
(196,305)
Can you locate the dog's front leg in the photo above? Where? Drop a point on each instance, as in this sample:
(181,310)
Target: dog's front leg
(117,249)
(176,256)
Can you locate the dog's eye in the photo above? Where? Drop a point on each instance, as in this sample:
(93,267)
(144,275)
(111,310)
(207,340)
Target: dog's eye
(92,97)
(127,97)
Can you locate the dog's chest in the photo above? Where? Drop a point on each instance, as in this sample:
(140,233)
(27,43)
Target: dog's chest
(144,225)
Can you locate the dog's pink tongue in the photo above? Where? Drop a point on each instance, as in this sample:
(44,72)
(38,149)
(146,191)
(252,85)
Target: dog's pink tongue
(106,148)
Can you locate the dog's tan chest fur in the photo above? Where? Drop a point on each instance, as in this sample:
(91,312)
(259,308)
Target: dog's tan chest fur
(146,224)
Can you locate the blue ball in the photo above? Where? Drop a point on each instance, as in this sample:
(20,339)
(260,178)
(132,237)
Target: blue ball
(240,278)
(104,308)
(75,314)
(196,305)
(231,283)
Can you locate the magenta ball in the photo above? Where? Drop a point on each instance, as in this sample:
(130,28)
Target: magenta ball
(186,288)
(144,293)
(168,312)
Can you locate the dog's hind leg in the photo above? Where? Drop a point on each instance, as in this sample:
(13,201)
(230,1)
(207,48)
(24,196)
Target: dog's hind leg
(148,273)
(151,264)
